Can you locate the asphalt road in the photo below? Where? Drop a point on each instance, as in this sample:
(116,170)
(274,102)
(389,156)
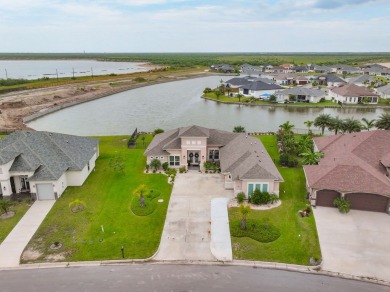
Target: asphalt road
(159,277)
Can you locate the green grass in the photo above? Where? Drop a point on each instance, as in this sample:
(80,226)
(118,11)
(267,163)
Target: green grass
(6,225)
(225,98)
(259,231)
(108,196)
(298,240)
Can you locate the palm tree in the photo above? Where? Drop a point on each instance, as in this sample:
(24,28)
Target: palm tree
(5,205)
(310,158)
(244,211)
(383,122)
(141,192)
(286,127)
(336,124)
(217,94)
(239,96)
(368,124)
(308,125)
(351,125)
(239,129)
(322,121)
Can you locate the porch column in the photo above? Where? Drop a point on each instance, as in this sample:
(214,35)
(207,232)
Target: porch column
(6,189)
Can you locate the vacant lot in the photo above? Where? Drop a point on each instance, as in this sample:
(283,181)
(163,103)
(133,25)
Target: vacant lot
(107,223)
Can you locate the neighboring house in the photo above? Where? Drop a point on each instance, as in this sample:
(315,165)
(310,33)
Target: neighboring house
(258,88)
(236,82)
(281,69)
(355,166)
(384,91)
(345,69)
(318,69)
(244,161)
(330,80)
(300,69)
(44,164)
(301,80)
(222,68)
(363,80)
(290,79)
(353,94)
(302,94)
(376,70)
(268,68)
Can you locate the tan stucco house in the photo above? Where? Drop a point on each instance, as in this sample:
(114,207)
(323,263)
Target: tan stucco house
(44,164)
(245,163)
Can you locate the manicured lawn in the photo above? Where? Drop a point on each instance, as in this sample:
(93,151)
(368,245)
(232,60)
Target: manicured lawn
(225,98)
(108,195)
(6,225)
(298,240)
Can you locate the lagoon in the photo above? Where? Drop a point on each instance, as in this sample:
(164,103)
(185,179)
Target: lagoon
(175,104)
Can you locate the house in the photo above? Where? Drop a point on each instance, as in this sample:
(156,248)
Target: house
(384,91)
(44,164)
(302,94)
(376,70)
(257,88)
(222,68)
(330,80)
(245,163)
(318,69)
(345,69)
(290,79)
(356,167)
(353,94)
(300,69)
(301,80)
(281,69)
(363,80)
(236,82)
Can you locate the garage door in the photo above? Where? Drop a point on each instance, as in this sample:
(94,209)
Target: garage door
(326,197)
(368,202)
(45,192)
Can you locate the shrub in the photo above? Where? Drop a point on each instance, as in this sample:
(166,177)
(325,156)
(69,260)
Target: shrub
(5,205)
(165,166)
(343,204)
(77,205)
(155,164)
(158,131)
(260,198)
(259,231)
(182,169)
(273,198)
(240,197)
(288,160)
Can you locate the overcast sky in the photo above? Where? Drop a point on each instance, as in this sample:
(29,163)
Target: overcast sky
(194,26)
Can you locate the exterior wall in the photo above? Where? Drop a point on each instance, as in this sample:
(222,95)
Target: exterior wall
(162,158)
(273,186)
(59,186)
(5,179)
(194,144)
(77,178)
(183,162)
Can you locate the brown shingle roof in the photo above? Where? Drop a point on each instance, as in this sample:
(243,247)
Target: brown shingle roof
(353,90)
(352,163)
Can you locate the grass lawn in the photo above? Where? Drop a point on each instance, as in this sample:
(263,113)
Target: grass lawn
(108,195)
(225,98)
(298,240)
(6,225)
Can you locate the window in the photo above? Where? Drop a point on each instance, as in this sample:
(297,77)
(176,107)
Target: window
(88,165)
(161,157)
(193,142)
(174,160)
(213,154)
(263,187)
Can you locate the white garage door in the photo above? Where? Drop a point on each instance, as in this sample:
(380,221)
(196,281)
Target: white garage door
(45,192)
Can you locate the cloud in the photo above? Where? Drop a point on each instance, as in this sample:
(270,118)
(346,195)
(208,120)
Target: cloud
(334,4)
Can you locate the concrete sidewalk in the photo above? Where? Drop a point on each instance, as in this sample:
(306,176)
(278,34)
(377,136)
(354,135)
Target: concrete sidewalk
(13,246)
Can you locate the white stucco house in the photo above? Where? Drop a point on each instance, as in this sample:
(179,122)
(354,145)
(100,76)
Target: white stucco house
(244,162)
(302,94)
(353,94)
(258,88)
(44,164)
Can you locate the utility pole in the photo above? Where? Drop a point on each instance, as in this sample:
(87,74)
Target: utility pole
(6,74)
(57,73)
(73,73)
(92,71)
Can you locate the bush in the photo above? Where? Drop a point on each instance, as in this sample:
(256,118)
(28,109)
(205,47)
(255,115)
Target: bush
(343,204)
(182,169)
(260,198)
(240,197)
(273,198)
(259,231)
(155,164)
(165,166)
(288,160)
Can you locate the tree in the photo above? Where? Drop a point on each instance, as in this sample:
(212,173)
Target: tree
(272,98)
(304,144)
(239,129)
(5,205)
(207,90)
(351,125)
(292,97)
(308,125)
(368,124)
(143,140)
(239,96)
(157,131)
(217,93)
(322,121)
(117,164)
(155,163)
(286,127)
(336,124)
(311,158)
(383,122)
(244,211)
(140,192)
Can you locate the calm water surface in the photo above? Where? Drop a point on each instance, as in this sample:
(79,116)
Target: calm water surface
(177,104)
(34,69)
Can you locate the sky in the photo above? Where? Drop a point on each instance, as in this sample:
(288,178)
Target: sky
(194,26)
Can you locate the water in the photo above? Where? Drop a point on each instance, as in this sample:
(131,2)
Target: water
(177,104)
(34,69)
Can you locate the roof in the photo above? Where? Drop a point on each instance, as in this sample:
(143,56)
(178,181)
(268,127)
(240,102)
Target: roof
(47,155)
(302,91)
(352,163)
(353,90)
(384,89)
(332,78)
(242,156)
(344,67)
(260,85)
(362,79)
(238,81)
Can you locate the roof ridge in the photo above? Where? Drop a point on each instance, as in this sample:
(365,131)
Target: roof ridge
(54,142)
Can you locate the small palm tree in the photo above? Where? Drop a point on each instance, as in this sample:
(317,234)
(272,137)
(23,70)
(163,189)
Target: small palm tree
(286,127)
(310,158)
(351,125)
(244,211)
(383,122)
(343,204)
(217,94)
(322,121)
(140,192)
(308,125)
(368,124)
(155,163)
(336,124)
(5,205)
(239,96)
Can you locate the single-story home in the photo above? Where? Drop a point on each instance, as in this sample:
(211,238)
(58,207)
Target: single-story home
(353,94)
(355,166)
(376,70)
(318,69)
(257,88)
(245,163)
(300,69)
(222,68)
(384,91)
(44,164)
(330,80)
(302,94)
(363,80)
(345,69)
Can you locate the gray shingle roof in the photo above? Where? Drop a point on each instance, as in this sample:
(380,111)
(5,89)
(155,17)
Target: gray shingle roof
(332,78)
(302,91)
(259,85)
(362,79)
(384,89)
(46,154)
(238,81)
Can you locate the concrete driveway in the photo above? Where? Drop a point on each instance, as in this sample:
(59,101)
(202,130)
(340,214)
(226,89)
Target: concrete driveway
(357,243)
(186,234)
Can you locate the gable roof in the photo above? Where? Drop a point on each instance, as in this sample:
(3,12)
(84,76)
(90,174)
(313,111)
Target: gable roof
(238,81)
(384,89)
(260,85)
(302,91)
(46,154)
(332,78)
(353,90)
(352,163)
(362,79)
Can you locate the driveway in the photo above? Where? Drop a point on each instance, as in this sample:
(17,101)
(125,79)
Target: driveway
(14,244)
(186,234)
(357,243)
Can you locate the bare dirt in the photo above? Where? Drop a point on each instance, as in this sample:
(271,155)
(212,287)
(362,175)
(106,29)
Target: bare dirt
(17,105)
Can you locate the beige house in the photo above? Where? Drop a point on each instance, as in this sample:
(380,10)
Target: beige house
(244,162)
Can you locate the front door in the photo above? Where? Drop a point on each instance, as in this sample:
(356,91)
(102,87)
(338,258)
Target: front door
(25,184)
(194,158)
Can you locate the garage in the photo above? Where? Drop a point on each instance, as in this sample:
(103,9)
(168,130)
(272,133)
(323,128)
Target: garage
(325,198)
(45,192)
(368,202)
